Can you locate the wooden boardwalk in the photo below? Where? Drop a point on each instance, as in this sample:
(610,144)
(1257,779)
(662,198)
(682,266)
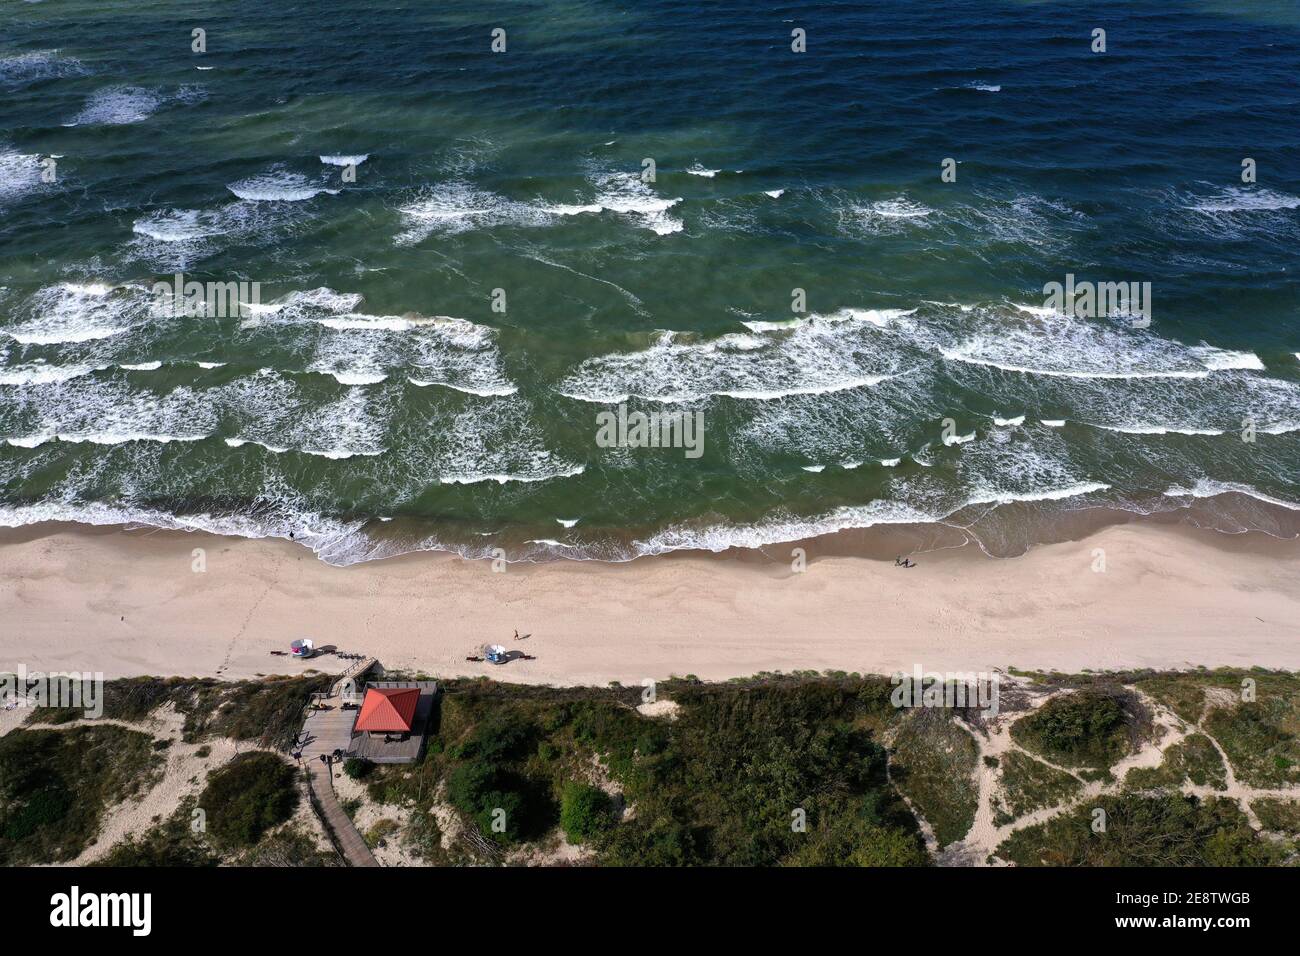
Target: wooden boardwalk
(323,732)
(345,834)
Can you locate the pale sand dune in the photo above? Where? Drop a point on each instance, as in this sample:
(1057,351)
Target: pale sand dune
(1170,598)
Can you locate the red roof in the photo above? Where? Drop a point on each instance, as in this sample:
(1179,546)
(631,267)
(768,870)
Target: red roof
(387,710)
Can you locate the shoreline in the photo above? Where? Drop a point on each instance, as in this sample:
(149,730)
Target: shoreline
(1000,528)
(127,603)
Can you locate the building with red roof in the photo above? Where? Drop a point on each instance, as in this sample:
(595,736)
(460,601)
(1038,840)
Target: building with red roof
(393,721)
(387,710)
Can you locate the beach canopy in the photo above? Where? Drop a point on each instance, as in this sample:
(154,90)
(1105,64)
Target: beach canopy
(388,710)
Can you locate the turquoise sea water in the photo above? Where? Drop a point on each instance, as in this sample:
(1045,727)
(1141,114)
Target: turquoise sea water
(377,402)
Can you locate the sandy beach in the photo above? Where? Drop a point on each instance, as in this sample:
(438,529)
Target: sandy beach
(129,603)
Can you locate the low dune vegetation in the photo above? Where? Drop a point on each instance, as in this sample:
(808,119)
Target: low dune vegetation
(1145,830)
(56,786)
(1187,769)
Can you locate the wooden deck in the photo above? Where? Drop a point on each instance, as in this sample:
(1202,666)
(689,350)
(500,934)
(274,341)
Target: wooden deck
(323,732)
(376,749)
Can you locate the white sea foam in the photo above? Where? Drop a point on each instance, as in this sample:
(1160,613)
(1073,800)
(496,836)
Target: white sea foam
(699,170)
(1157,429)
(774,193)
(1225,360)
(780,530)
(1207,488)
(625,194)
(1004,422)
(455,207)
(341,453)
(890,462)
(986,496)
(501,479)
(815,469)
(813,358)
(877,317)
(481,392)
(490,441)
(41,374)
(345,160)
(889,216)
(757,326)
(20,173)
(118,105)
(333,541)
(358,378)
(116,438)
(23,69)
(1241,199)
(567,522)
(240,442)
(1046,343)
(179,225)
(278,185)
(79,312)
(365,349)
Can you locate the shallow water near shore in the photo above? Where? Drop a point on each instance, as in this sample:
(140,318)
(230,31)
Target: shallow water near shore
(375,402)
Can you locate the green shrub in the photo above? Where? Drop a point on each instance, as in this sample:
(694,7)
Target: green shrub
(1084,729)
(585,811)
(495,799)
(356,768)
(248,796)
